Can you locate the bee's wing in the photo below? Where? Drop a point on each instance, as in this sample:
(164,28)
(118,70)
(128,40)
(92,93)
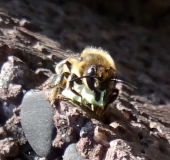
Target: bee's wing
(50,82)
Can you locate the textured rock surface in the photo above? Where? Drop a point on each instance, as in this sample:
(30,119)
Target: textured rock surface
(120,136)
(12,150)
(37,123)
(34,36)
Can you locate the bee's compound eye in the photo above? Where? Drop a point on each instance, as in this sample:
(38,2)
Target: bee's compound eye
(91,70)
(90,79)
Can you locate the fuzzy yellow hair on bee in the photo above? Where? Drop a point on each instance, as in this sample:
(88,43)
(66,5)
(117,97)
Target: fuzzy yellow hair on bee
(99,52)
(90,80)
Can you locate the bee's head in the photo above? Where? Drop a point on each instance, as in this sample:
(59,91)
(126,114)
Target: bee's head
(98,77)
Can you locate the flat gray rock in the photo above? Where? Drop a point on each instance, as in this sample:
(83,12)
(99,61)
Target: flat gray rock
(37,122)
(72,154)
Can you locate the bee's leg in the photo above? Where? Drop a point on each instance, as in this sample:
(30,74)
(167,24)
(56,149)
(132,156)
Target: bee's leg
(100,112)
(92,107)
(60,82)
(63,70)
(114,96)
(71,84)
(53,95)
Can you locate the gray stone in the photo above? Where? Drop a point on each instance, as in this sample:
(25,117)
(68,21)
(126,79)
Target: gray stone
(37,122)
(72,154)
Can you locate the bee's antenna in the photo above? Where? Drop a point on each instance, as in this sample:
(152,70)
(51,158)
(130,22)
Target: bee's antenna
(74,79)
(121,81)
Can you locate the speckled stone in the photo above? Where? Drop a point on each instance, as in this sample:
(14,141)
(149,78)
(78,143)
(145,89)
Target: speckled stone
(37,123)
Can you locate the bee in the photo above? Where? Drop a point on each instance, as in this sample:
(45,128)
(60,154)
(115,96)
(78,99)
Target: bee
(90,80)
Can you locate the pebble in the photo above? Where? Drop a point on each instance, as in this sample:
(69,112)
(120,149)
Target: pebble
(72,154)
(37,123)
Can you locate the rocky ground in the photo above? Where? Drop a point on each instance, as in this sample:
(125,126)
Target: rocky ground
(34,37)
